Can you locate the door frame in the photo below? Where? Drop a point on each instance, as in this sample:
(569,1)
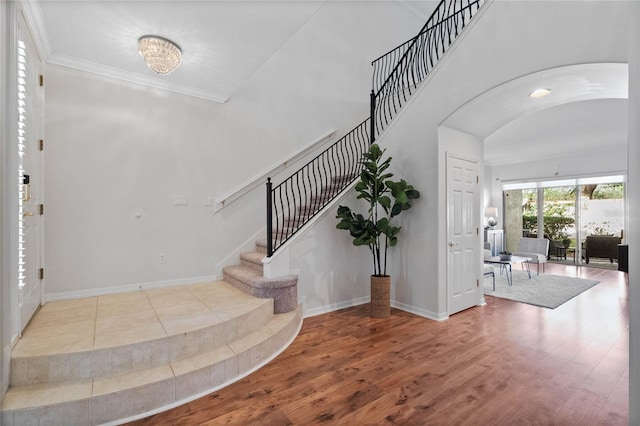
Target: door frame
(10,13)
(469,147)
(34,236)
(478,238)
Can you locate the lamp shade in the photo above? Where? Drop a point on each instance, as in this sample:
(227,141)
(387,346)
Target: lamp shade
(491,212)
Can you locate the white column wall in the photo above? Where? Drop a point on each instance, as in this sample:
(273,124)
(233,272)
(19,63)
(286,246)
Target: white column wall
(5,329)
(633,193)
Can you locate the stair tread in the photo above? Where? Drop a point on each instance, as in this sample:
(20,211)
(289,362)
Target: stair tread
(255,278)
(252,256)
(29,396)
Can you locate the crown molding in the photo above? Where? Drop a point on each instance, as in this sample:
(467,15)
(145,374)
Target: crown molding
(131,77)
(33,15)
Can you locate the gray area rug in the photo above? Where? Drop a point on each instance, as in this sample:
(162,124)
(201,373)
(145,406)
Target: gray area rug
(547,291)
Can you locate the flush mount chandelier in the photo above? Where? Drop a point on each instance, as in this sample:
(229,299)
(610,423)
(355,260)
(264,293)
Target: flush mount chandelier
(161,55)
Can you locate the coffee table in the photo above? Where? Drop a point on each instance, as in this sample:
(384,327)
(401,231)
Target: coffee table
(507,264)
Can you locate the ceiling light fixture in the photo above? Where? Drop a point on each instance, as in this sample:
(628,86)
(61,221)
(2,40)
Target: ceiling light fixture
(539,93)
(161,55)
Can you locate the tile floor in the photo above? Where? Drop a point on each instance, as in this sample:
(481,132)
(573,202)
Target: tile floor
(98,359)
(120,319)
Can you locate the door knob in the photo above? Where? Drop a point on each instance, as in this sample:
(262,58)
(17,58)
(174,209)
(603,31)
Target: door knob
(452,244)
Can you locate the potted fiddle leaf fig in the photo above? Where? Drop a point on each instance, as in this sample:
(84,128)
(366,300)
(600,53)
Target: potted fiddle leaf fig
(385,200)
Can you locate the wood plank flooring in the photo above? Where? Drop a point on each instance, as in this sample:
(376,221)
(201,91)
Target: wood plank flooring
(504,363)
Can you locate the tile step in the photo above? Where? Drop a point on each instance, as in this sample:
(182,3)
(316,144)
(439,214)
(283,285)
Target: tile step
(200,333)
(137,393)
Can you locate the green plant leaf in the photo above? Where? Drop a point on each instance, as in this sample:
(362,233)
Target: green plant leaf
(385,202)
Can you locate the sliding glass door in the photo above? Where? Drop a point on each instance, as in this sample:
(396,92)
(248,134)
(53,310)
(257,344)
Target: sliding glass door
(582,218)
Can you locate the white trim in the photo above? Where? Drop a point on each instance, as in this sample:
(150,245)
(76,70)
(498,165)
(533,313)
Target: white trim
(234,256)
(131,77)
(230,197)
(420,312)
(336,306)
(5,317)
(101,291)
(33,16)
(567,180)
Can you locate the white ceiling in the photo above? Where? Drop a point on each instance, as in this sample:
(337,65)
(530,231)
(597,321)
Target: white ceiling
(225,42)
(586,111)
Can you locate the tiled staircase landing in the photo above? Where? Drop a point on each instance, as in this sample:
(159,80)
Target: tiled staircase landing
(103,359)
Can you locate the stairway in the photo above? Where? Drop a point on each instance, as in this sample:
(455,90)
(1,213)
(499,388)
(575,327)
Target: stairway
(296,205)
(248,277)
(109,358)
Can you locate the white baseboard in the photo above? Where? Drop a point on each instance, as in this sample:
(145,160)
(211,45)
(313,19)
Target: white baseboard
(362,300)
(334,307)
(419,311)
(102,291)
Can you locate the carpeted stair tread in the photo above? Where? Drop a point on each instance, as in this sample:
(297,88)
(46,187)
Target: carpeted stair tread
(255,279)
(252,259)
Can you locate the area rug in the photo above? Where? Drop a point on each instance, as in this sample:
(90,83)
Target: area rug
(547,291)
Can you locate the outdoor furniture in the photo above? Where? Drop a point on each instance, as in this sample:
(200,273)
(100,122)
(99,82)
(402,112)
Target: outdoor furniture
(506,264)
(535,248)
(561,252)
(604,246)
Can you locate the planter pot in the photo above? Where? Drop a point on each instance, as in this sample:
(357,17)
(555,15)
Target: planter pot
(380,297)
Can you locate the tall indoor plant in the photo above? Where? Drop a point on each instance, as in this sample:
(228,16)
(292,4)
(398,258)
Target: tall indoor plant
(386,199)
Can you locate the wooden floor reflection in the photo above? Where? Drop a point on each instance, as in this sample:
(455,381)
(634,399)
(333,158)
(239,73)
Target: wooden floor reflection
(503,363)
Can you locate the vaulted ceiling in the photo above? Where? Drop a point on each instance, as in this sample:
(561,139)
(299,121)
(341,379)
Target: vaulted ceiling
(225,42)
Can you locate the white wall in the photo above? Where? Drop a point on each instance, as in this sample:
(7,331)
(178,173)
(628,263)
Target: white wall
(499,48)
(118,154)
(105,163)
(5,329)
(633,192)
(332,272)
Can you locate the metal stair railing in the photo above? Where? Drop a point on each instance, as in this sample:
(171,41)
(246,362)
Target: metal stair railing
(296,200)
(396,75)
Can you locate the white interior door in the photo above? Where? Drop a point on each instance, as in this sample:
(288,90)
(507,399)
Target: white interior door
(30,124)
(462,233)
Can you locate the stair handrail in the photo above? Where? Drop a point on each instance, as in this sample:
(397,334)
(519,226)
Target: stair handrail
(251,184)
(415,59)
(319,182)
(283,199)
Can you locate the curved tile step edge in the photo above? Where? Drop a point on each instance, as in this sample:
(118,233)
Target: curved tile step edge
(57,368)
(78,414)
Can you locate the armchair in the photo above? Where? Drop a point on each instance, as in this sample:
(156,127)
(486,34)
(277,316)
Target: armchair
(535,248)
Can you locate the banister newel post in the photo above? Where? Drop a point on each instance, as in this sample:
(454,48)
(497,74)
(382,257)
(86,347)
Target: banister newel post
(373,117)
(269,219)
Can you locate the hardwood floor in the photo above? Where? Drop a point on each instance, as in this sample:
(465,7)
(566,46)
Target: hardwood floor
(503,363)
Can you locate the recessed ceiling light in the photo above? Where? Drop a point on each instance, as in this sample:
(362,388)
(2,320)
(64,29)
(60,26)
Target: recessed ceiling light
(539,93)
